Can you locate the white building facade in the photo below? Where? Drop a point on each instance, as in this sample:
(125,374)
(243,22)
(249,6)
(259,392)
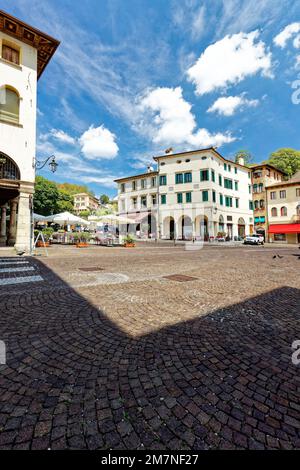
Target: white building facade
(24,54)
(192,195)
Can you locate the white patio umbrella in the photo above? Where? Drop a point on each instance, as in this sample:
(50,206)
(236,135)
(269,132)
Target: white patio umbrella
(39,218)
(66,218)
(111,219)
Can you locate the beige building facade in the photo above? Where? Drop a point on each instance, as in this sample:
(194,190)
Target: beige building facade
(263,175)
(24,54)
(284,211)
(192,195)
(85,202)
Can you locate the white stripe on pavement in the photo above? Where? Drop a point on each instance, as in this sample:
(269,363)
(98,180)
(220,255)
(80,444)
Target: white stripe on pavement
(12,263)
(16,270)
(20,280)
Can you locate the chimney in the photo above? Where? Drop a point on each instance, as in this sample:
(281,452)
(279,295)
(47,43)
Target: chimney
(241,160)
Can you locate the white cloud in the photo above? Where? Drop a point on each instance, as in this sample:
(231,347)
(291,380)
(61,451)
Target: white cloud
(228,105)
(286,34)
(172,122)
(63,137)
(230,61)
(98,142)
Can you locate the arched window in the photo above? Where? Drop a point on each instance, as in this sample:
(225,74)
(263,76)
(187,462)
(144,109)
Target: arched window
(256,204)
(298,210)
(283,212)
(8,168)
(9,105)
(274,212)
(261,203)
(255,188)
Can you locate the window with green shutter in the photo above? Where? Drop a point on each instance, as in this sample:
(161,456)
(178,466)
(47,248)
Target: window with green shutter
(213,176)
(220,180)
(204,196)
(214,196)
(179,198)
(237,203)
(236,185)
(228,184)
(188,197)
(228,201)
(221,200)
(204,175)
(188,177)
(251,205)
(179,178)
(163,199)
(235,170)
(163,180)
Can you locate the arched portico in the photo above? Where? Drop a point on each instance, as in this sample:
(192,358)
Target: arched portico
(15,204)
(169,228)
(201,227)
(185,228)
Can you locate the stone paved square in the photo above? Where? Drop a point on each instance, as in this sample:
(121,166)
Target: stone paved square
(123,358)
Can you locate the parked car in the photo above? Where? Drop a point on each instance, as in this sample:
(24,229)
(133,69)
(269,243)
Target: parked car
(254,239)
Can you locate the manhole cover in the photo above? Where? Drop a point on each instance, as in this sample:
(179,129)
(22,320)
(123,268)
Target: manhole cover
(180,278)
(91,269)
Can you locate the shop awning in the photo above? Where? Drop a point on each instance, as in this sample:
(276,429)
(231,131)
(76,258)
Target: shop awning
(284,228)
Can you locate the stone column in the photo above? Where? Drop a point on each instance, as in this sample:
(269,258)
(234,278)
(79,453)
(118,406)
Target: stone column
(23,238)
(3,226)
(13,222)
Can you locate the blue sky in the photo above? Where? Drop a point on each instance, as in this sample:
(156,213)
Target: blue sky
(134,77)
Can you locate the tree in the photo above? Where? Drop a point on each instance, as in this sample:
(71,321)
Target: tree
(104,199)
(45,196)
(247,156)
(65,202)
(72,189)
(286,159)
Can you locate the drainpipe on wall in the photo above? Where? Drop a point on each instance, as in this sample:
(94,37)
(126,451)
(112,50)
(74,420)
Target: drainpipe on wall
(158,206)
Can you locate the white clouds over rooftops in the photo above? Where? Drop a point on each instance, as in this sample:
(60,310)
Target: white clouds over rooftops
(174,122)
(98,142)
(228,105)
(229,61)
(286,34)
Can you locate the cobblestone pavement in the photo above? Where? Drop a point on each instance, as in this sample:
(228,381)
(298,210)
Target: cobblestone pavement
(123,358)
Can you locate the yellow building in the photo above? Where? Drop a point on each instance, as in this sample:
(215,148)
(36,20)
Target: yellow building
(85,202)
(263,175)
(283,199)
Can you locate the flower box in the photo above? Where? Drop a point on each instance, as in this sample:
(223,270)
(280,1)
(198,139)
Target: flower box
(82,245)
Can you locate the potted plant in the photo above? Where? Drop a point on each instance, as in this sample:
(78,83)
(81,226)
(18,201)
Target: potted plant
(83,238)
(129,241)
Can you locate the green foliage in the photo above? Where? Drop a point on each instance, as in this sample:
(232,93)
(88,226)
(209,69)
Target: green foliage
(47,232)
(64,201)
(286,159)
(128,239)
(104,199)
(247,156)
(53,198)
(72,189)
(45,197)
(85,214)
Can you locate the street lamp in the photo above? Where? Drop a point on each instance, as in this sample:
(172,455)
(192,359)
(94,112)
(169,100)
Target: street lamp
(52,165)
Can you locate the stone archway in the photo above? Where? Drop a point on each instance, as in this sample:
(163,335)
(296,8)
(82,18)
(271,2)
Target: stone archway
(201,227)
(9,194)
(185,228)
(169,228)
